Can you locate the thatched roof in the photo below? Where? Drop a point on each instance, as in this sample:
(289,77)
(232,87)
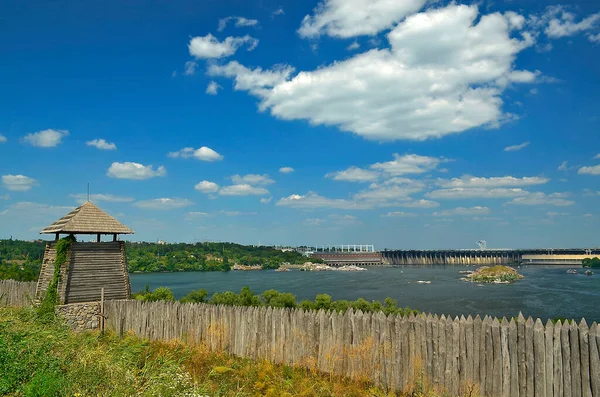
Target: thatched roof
(87,219)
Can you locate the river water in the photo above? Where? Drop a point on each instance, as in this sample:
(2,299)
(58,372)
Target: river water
(544,292)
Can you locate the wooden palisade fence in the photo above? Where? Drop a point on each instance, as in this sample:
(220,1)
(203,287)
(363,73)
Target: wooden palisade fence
(17,293)
(488,357)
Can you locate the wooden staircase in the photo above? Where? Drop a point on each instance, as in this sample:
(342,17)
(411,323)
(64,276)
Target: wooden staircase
(46,272)
(94,266)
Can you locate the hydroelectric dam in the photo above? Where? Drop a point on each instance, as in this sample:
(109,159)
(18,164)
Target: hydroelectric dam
(547,256)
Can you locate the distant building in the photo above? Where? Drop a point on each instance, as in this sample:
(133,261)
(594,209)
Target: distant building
(161,242)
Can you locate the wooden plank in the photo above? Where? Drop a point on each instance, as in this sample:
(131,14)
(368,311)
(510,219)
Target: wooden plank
(522,355)
(539,347)
(514,359)
(566,359)
(505,357)
(530,358)
(586,386)
(575,360)
(594,360)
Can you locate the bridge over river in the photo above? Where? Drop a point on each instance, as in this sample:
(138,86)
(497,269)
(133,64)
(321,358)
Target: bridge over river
(545,256)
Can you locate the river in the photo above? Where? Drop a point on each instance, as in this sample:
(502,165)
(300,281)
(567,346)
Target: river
(544,292)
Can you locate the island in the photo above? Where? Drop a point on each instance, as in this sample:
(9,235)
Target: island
(494,275)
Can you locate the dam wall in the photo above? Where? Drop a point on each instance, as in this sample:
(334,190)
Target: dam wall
(555,256)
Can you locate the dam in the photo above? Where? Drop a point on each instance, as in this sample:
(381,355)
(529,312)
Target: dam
(544,256)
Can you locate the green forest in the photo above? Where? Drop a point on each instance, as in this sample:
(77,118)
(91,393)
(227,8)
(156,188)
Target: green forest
(21,260)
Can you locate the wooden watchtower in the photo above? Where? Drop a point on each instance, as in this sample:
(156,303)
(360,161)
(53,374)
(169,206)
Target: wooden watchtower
(90,266)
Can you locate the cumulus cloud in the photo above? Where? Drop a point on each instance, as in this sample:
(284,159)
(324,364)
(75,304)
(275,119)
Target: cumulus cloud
(476,192)
(562,23)
(420,204)
(3,139)
(204,154)
(252,179)
(312,200)
(135,171)
(101,144)
(209,47)
(213,88)
(353,46)
(240,22)
(278,11)
(243,190)
(419,88)
(163,203)
(353,174)
(516,148)
(408,164)
(46,138)
(539,198)
(593,170)
(597,156)
(257,81)
(399,214)
(564,166)
(190,68)
(313,221)
(18,183)
(207,187)
(462,211)
(349,18)
(266,200)
(594,38)
(97,197)
(286,170)
(473,181)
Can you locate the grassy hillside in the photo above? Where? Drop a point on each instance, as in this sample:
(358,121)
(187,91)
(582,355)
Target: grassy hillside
(41,359)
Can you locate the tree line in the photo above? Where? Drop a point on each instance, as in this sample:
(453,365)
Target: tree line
(21,260)
(274,298)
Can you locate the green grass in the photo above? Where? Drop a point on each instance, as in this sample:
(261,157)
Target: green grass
(47,359)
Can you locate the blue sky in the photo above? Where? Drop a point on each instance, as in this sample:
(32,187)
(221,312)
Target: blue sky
(414,124)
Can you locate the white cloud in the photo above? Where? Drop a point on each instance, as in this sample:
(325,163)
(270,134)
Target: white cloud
(257,81)
(82,198)
(473,181)
(516,148)
(18,183)
(408,164)
(240,22)
(213,88)
(278,11)
(594,38)
(252,179)
(386,195)
(593,170)
(266,200)
(561,23)
(207,47)
(207,187)
(5,197)
(597,156)
(3,139)
(136,171)
(353,46)
(243,190)
(557,214)
(399,214)
(476,192)
(313,221)
(464,211)
(419,88)
(564,166)
(312,200)
(163,203)
(349,18)
(420,204)
(344,220)
(46,138)
(539,198)
(286,170)
(190,68)
(204,154)
(236,213)
(353,174)
(28,208)
(101,144)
